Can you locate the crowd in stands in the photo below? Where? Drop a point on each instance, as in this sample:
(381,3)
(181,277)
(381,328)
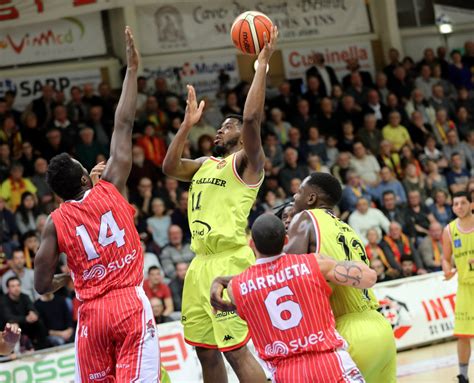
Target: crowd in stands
(400,143)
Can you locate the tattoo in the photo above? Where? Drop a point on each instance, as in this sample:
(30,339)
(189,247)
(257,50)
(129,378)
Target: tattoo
(348,272)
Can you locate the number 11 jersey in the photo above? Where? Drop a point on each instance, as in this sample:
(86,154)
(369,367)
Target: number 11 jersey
(99,238)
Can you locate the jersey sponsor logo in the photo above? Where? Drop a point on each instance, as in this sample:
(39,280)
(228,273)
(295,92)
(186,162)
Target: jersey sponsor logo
(277,348)
(210,181)
(100,271)
(457,243)
(397,313)
(221,164)
(99,376)
(200,228)
(270,280)
(280,348)
(223,314)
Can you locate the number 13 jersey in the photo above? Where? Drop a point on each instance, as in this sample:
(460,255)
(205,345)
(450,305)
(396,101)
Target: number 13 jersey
(99,238)
(339,241)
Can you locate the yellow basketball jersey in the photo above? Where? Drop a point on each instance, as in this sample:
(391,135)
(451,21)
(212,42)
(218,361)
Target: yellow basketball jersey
(338,240)
(219,203)
(462,245)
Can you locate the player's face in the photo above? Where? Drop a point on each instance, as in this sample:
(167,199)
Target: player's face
(87,182)
(228,134)
(287,216)
(305,197)
(461,207)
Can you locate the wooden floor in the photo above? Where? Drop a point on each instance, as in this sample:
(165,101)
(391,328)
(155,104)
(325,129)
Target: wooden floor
(436,363)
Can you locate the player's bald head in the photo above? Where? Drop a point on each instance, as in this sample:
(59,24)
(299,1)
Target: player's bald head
(268,234)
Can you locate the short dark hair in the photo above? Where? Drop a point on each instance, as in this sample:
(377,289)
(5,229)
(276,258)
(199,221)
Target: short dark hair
(268,234)
(406,258)
(64,176)
(329,188)
(14,278)
(151,268)
(463,194)
(238,117)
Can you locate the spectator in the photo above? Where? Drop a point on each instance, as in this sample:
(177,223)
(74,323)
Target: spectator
(5,161)
(434,180)
(153,146)
(431,249)
(25,275)
(315,145)
(141,168)
(313,95)
(31,245)
(43,106)
(394,61)
(414,182)
(393,211)
(380,269)
(291,170)
(27,158)
(395,133)
(150,259)
(278,125)
(388,182)
(442,126)
(324,73)
(76,109)
(394,105)
(365,164)
(328,121)
(459,74)
(158,307)
(30,131)
(377,258)
(464,124)
(408,266)
(18,308)
(457,177)
(357,89)
(87,149)
(155,287)
(44,192)
(365,218)
(418,103)
(153,114)
(205,146)
(159,223)
(430,151)
(102,129)
(448,88)
(13,188)
(381,82)
(107,103)
(464,99)
(26,213)
(60,121)
(231,104)
(294,141)
(442,63)
(353,66)
(419,217)
(144,196)
(369,135)
(315,165)
(55,144)
(285,101)
(162,93)
(332,151)
(440,101)
(273,150)
(354,190)
(453,145)
(342,166)
(401,86)
(347,138)
(468,148)
(177,284)
(425,82)
(396,245)
(303,118)
(9,231)
(180,216)
(349,110)
(418,130)
(375,107)
(10,134)
(175,252)
(55,313)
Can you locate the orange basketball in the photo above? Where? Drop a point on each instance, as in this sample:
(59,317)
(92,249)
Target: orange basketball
(247,31)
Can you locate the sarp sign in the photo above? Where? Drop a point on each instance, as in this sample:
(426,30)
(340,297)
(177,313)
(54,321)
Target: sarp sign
(298,60)
(420,309)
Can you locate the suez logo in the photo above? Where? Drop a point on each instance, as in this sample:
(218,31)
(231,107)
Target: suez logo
(100,271)
(280,348)
(45,371)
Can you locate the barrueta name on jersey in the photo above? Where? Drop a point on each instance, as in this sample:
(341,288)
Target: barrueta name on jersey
(99,238)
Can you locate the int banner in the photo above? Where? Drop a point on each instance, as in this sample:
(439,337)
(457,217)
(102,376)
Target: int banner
(297,61)
(420,309)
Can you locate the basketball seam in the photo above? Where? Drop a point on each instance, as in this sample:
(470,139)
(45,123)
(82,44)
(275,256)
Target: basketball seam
(253,31)
(240,34)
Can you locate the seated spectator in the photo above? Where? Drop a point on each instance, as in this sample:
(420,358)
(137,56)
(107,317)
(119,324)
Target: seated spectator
(13,188)
(30,131)
(342,166)
(5,161)
(180,216)
(434,180)
(393,211)
(27,159)
(347,138)
(365,164)
(430,151)
(381,81)
(31,243)
(328,120)
(365,218)
(25,275)
(205,146)
(26,213)
(313,95)
(396,245)
(454,146)
(439,101)
(158,307)
(173,109)
(468,148)
(177,283)
(154,147)
(294,141)
(278,126)
(388,182)
(353,66)
(18,308)
(377,258)
(149,259)
(465,100)
(357,89)
(170,193)
(459,74)
(176,251)
(418,129)
(155,287)
(418,103)
(408,157)
(55,313)
(394,106)
(141,168)
(10,133)
(449,89)
(442,126)
(200,129)
(270,201)
(349,111)
(395,133)
(419,216)
(464,123)
(285,101)
(353,191)
(457,177)
(425,82)
(273,150)
(231,105)
(144,196)
(44,192)
(414,182)
(303,118)
(431,249)
(315,165)
(315,145)
(87,149)
(153,114)
(408,266)
(401,84)
(61,122)
(159,223)
(291,170)
(376,107)
(331,150)
(369,135)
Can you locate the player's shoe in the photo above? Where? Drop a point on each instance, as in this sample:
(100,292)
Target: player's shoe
(462,379)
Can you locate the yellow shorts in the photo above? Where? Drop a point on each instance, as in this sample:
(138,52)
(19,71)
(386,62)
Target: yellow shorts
(371,345)
(464,311)
(202,328)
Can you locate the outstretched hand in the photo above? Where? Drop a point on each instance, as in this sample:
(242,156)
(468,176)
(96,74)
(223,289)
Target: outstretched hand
(12,333)
(217,292)
(133,57)
(269,48)
(96,172)
(193,111)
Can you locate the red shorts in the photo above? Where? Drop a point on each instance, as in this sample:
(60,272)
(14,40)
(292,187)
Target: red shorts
(329,367)
(116,339)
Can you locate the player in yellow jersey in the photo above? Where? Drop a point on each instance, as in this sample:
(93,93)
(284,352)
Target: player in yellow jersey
(458,244)
(315,228)
(222,193)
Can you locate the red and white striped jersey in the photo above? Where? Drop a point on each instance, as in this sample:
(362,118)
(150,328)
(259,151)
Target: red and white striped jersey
(99,238)
(285,301)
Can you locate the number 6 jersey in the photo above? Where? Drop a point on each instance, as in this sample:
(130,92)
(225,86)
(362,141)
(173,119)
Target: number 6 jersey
(99,238)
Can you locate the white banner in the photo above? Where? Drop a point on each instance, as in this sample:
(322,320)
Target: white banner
(298,60)
(454,15)
(69,37)
(28,88)
(193,26)
(420,309)
(200,71)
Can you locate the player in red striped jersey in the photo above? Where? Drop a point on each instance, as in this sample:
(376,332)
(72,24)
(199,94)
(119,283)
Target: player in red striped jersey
(285,300)
(94,227)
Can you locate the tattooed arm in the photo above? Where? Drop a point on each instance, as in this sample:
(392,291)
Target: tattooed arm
(347,273)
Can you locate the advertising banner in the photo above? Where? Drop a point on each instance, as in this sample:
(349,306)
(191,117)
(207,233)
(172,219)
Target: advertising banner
(69,37)
(192,26)
(297,61)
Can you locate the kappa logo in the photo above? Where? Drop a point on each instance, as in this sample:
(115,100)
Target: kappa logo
(221,164)
(277,348)
(397,313)
(227,337)
(97,271)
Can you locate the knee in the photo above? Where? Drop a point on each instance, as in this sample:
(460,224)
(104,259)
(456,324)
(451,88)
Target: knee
(238,355)
(208,356)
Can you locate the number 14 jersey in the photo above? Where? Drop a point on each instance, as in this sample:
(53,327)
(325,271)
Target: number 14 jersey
(99,238)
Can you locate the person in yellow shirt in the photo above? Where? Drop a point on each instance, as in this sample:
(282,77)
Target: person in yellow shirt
(14,186)
(395,133)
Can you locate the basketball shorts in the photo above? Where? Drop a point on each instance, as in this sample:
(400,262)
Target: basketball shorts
(225,331)
(371,345)
(329,367)
(116,339)
(464,311)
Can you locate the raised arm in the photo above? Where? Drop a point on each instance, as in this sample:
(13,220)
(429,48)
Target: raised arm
(301,235)
(173,165)
(120,161)
(252,154)
(46,259)
(347,273)
(447,262)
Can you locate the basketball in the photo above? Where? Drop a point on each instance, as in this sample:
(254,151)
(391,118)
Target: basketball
(247,31)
